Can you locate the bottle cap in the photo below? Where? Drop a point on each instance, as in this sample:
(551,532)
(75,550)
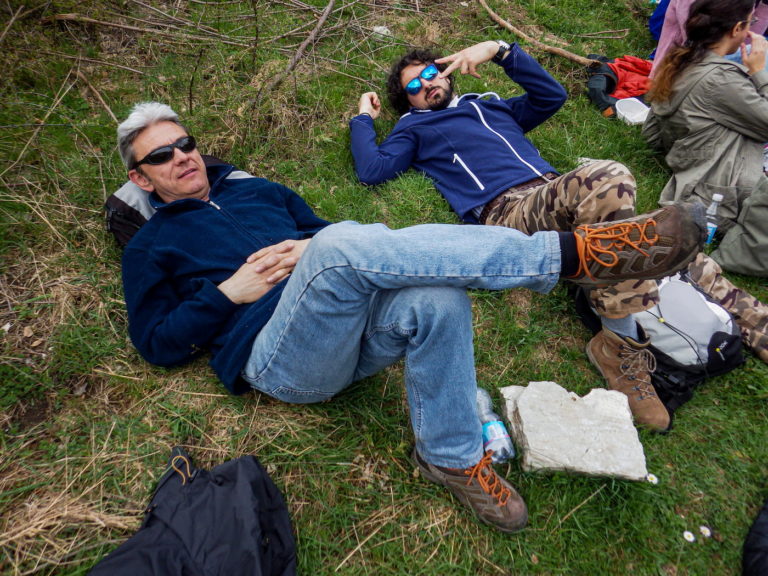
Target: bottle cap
(717,197)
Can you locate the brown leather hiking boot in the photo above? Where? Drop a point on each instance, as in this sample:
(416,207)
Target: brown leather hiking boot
(648,246)
(627,366)
(479,488)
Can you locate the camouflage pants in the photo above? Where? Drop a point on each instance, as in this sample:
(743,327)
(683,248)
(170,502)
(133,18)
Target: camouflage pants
(598,192)
(751,315)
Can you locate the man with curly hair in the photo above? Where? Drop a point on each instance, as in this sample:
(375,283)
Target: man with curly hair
(474,147)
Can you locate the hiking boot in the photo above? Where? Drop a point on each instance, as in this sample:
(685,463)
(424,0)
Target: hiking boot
(648,246)
(479,488)
(627,366)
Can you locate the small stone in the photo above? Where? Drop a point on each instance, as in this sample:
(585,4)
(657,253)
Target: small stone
(382,31)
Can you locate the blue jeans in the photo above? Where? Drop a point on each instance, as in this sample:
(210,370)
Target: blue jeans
(364,296)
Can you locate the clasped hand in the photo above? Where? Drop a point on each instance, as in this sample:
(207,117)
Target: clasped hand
(262,270)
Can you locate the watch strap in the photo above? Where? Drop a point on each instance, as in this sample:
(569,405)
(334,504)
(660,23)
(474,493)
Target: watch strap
(504,47)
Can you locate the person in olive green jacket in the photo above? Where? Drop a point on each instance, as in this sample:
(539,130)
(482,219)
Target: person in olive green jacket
(709,115)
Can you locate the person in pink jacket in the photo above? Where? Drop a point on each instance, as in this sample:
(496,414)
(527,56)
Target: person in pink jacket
(673,30)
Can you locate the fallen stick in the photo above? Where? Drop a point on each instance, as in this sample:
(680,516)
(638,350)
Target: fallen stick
(85,19)
(278,78)
(540,45)
(10,23)
(96,93)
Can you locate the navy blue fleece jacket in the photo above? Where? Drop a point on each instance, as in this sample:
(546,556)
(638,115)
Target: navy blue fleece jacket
(173,265)
(473,151)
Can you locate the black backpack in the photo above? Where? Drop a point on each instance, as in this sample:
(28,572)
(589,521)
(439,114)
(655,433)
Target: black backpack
(229,520)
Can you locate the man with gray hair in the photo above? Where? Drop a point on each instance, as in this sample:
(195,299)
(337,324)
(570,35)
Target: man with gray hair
(298,308)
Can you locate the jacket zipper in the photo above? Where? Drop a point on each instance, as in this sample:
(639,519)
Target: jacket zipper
(456,158)
(482,119)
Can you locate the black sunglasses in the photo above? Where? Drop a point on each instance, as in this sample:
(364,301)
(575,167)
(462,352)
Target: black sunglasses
(165,153)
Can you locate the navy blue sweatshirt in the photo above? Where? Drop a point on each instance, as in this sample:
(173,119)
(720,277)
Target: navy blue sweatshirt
(173,265)
(473,151)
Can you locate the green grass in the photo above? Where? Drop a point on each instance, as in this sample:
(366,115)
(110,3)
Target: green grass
(87,425)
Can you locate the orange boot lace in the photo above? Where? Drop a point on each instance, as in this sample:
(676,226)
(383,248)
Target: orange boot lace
(486,476)
(598,243)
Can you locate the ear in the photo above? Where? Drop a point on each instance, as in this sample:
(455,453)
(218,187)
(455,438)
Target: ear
(141,180)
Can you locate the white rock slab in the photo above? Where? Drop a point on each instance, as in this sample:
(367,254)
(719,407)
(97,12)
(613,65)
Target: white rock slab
(555,429)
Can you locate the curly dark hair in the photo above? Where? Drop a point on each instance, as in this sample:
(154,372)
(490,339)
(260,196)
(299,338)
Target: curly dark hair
(398,98)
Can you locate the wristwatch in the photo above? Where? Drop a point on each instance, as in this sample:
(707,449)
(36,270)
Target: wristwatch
(504,47)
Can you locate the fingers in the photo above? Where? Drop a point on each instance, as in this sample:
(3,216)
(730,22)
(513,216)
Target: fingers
(369,104)
(279,275)
(281,248)
(275,262)
(455,62)
(754,58)
(467,60)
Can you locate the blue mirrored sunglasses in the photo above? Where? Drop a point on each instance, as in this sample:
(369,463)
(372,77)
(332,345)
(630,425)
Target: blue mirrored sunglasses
(414,86)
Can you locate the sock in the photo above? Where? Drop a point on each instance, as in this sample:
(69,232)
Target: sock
(625,327)
(569,256)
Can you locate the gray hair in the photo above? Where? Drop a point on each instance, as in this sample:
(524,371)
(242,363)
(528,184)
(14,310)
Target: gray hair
(143,115)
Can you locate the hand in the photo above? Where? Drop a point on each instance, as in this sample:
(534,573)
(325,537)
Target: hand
(469,59)
(755,60)
(262,270)
(370,104)
(278,260)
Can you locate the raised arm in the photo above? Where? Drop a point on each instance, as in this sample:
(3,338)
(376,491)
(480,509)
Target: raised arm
(543,94)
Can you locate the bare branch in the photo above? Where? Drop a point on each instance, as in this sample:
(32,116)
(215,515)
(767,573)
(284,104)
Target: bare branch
(278,78)
(98,96)
(540,45)
(78,18)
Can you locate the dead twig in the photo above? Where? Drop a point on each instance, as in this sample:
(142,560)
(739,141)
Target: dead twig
(78,18)
(605,34)
(165,14)
(587,499)
(63,90)
(540,45)
(10,23)
(98,96)
(278,78)
(82,59)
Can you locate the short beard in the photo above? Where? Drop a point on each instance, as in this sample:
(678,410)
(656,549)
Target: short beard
(443,104)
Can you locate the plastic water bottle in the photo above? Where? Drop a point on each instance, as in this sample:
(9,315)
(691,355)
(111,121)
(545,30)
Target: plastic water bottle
(712,217)
(495,435)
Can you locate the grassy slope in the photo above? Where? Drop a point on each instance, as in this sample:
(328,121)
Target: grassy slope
(87,425)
